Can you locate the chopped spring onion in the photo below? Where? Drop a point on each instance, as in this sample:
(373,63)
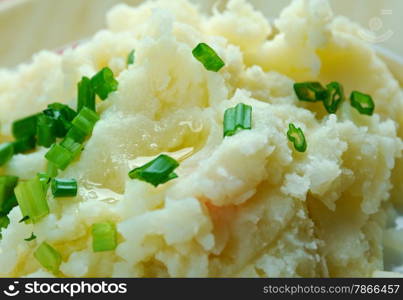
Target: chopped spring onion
(7,200)
(59,156)
(45,130)
(157,171)
(363,103)
(6,152)
(48,257)
(104,83)
(297,137)
(25,127)
(86,94)
(334,98)
(31,238)
(64,187)
(24,144)
(23,219)
(131,57)
(4,222)
(44,178)
(310,91)
(85,120)
(32,200)
(76,134)
(71,145)
(9,204)
(208,57)
(104,237)
(51,169)
(238,117)
(62,115)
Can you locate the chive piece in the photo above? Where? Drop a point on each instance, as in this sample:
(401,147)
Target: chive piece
(52,169)
(7,199)
(31,238)
(238,117)
(4,222)
(23,219)
(334,98)
(76,134)
(64,187)
(44,178)
(25,127)
(297,137)
(24,144)
(104,83)
(59,156)
(85,120)
(310,91)
(363,103)
(9,204)
(48,257)
(157,171)
(208,57)
(6,152)
(131,57)
(62,116)
(71,145)
(32,200)
(104,236)
(86,94)
(45,130)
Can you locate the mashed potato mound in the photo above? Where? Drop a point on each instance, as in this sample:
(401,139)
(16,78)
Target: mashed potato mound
(243,206)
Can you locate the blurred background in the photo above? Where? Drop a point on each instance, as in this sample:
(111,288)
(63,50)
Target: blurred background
(27,26)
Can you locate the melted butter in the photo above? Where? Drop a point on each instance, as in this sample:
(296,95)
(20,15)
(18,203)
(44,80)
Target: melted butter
(94,191)
(178,155)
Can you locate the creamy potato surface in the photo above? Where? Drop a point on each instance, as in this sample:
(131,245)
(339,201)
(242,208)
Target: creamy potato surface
(248,205)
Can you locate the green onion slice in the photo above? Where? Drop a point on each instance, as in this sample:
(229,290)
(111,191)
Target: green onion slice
(51,169)
(62,116)
(104,83)
(45,130)
(24,144)
(85,120)
(104,236)
(310,91)
(7,198)
(131,57)
(363,103)
(208,57)
(157,171)
(48,257)
(238,117)
(32,200)
(59,156)
(297,137)
(71,145)
(4,222)
(45,179)
(25,127)
(76,134)
(23,219)
(6,152)
(334,98)
(86,94)
(31,238)
(64,187)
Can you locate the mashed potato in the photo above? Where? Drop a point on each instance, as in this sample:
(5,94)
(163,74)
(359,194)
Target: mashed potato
(244,206)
